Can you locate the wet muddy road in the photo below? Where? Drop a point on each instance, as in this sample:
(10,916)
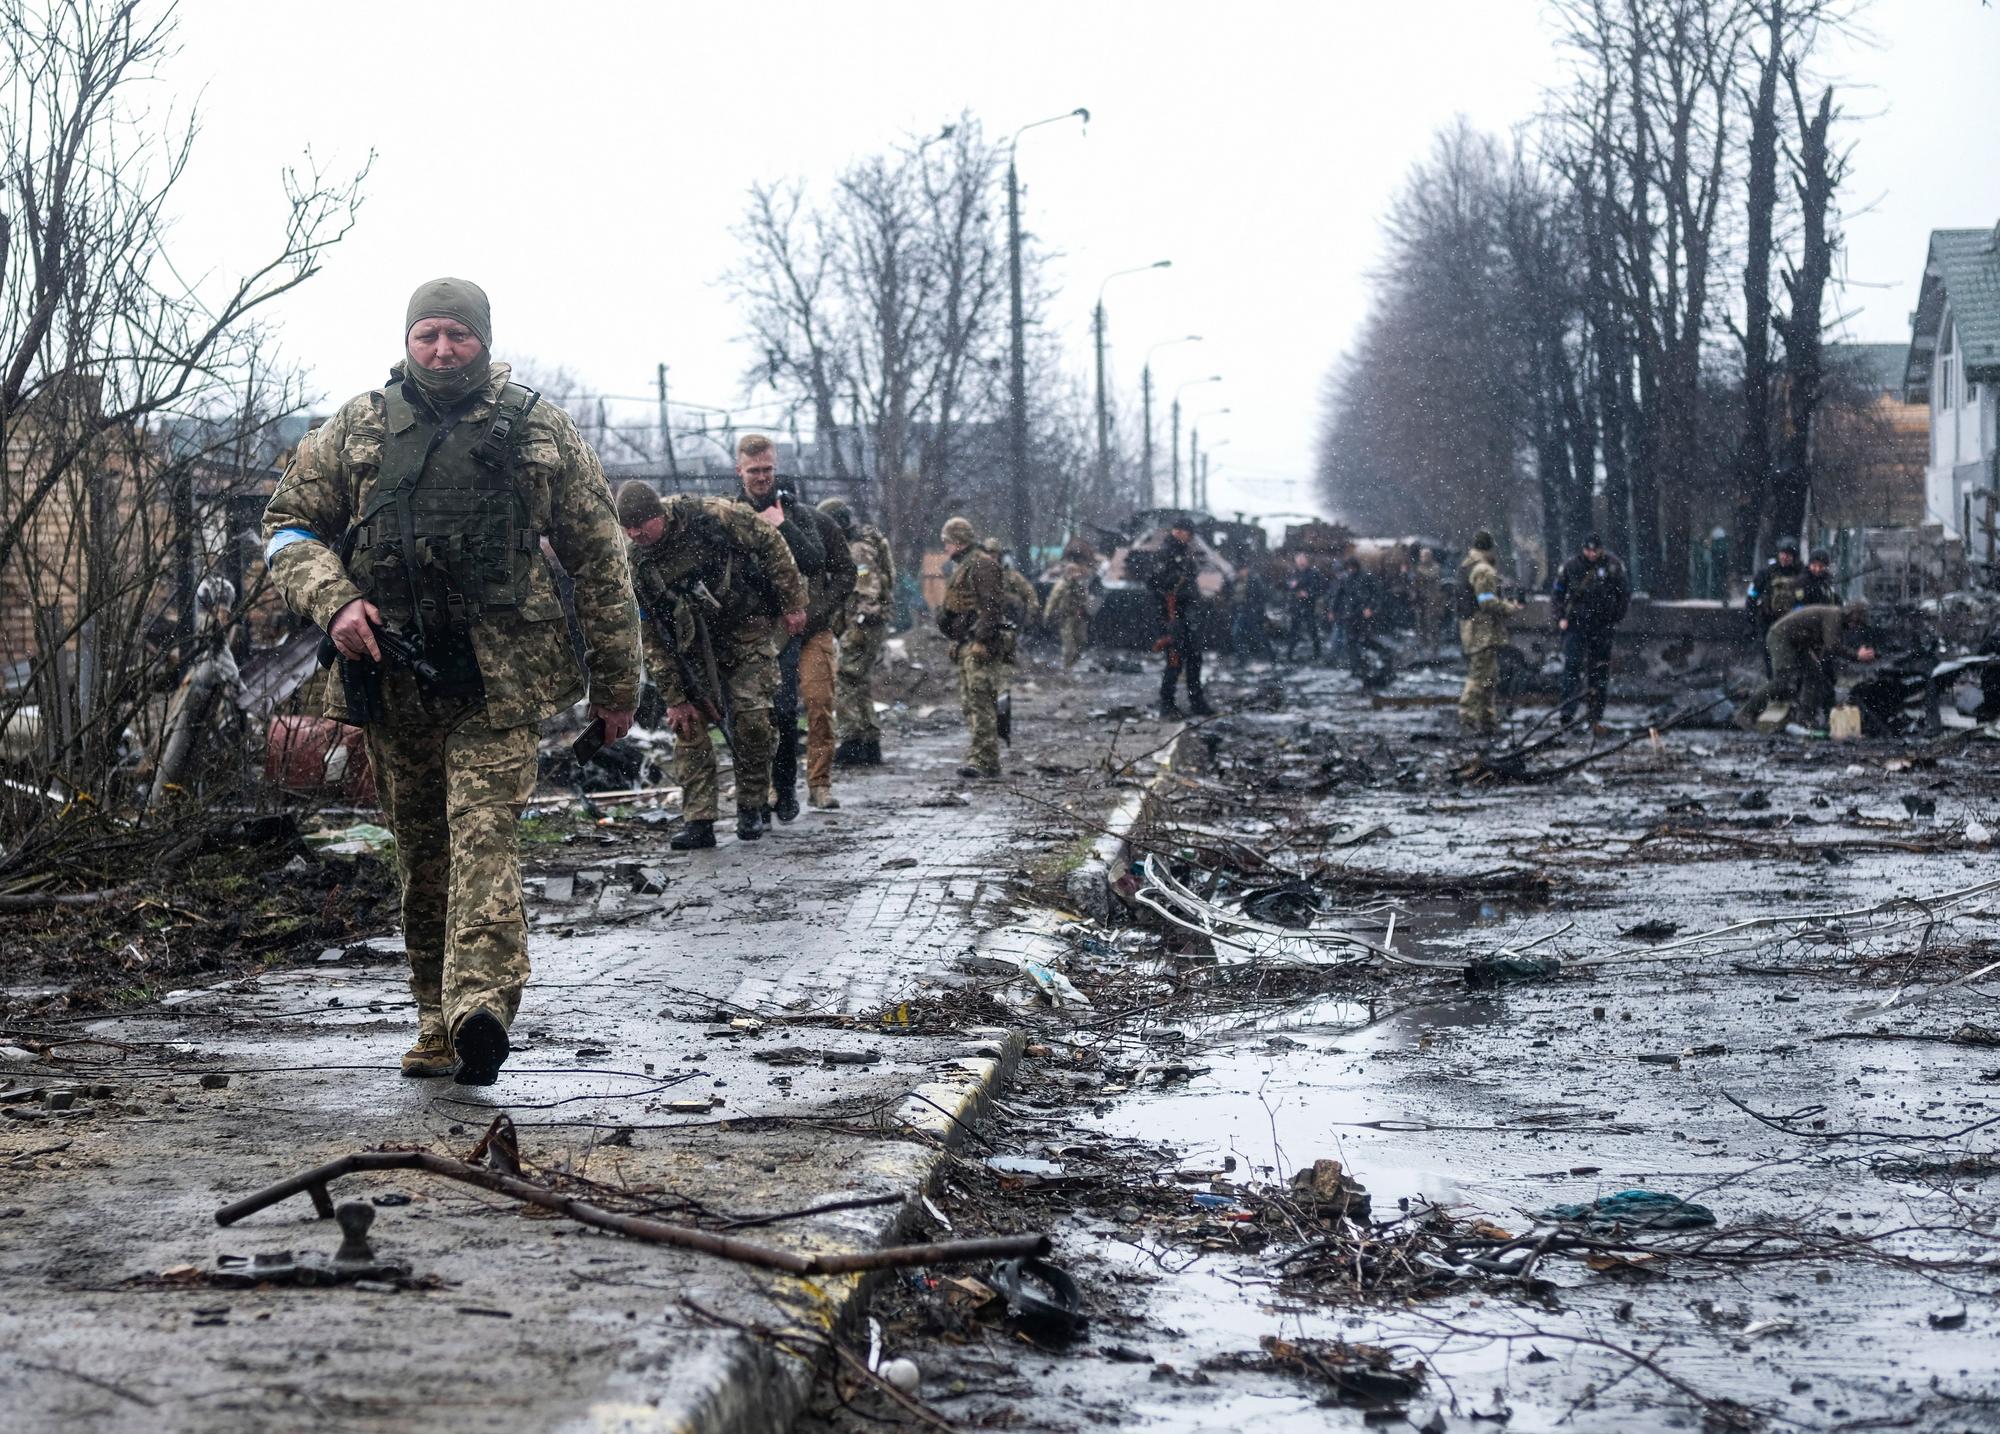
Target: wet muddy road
(1816,1082)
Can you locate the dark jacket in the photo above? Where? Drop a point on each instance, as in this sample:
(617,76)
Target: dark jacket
(1173,580)
(835,580)
(1360,592)
(1304,587)
(1591,594)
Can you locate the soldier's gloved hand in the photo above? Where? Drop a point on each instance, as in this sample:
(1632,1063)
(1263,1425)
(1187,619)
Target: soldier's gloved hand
(617,722)
(353,631)
(685,719)
(795,622)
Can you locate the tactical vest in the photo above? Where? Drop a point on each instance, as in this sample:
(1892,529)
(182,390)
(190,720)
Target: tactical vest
(704,550)
(446,535)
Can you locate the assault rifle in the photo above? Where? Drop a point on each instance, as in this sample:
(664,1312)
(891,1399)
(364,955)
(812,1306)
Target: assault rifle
(703,689)
(361,677)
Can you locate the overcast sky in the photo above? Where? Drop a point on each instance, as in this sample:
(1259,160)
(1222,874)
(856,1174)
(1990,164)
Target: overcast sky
(586,164)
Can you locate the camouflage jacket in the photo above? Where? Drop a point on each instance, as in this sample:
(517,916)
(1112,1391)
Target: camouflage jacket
(874,579)
(975,605)
(746,567)
(527,666)
(1023,602)
(1069,599)
(1487,612)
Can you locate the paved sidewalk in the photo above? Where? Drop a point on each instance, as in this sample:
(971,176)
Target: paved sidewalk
(535,1322)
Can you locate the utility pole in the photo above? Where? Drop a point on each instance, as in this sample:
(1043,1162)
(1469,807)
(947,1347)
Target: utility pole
(1146,427)
(1175,448)
(1103,403)
(1017,385)
(666,427)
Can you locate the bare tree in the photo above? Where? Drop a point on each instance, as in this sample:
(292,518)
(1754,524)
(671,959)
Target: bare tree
(131,401)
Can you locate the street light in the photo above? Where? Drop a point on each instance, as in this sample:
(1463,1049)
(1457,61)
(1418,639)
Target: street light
(1176,446)
(1017,478)
(1204,473)
(1195,491)
(1146,406)
(1103,415)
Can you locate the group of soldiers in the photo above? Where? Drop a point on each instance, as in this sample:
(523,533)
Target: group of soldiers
(411,527)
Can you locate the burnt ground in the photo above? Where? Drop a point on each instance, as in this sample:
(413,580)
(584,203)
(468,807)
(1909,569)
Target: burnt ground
(1824,1082)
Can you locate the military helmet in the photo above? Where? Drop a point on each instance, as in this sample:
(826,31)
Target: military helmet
(959,530)
(1821,555)
(1482,541)
(1788,545)
(841,511)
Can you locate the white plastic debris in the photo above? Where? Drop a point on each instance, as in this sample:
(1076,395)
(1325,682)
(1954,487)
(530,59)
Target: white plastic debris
(902,1373)
(1978,833)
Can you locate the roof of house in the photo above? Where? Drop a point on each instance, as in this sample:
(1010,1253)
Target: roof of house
(1877,367)
(1962,270)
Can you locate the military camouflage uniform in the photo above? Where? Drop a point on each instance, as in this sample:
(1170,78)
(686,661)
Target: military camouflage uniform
(1482,632)
(867,629)
(748,570)
(454,773)
(974,616)
(1803,648)
(1427,601)
(1069,609)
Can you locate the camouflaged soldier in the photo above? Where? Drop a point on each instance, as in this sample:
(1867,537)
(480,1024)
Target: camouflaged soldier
(861,641)
(417,512)
(1482,632)
(974,617)
(716,589)
(1068,607)
(1805,647)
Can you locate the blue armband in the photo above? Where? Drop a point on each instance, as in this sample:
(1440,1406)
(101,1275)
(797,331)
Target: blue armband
(284,538)
(1489,597)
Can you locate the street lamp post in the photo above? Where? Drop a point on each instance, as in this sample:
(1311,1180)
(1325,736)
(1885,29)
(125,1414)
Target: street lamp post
(1146,410)
(1197,494)
(1103,411)
(1175,446)
(1017,437)
(1207,459)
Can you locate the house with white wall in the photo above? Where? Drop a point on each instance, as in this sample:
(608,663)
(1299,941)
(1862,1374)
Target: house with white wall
(1954,368)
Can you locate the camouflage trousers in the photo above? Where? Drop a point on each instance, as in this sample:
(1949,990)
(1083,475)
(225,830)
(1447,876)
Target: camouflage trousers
(854,701)
(1479,701)
(749,674)
(1075,637)
(453,789)
(980,682)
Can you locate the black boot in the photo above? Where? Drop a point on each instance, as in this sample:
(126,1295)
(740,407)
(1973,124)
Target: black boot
(1198,705)
(873,756)
(694,835)
(481,1043)
(787,805)
(749,825)
(852,752)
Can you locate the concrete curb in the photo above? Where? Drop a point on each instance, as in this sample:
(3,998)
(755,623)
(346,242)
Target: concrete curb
(748,1387)
(1089,886)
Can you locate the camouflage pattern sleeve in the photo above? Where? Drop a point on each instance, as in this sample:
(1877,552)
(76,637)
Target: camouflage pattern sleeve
(865,603)
(591,547)
(885,561)
(310,512)
(775,554)
(655,610)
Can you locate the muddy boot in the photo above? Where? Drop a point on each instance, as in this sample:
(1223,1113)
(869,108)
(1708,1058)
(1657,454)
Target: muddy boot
(852,752)
(749,826)
(1198,705)
(695,835)
(873,757)
(482,1048)
(431,1056)
(787,805)
(1169,712)
(822,799)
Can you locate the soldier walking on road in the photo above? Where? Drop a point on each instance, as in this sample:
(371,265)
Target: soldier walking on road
(1482,632)
(805,664)
(861,642)
(1305,586)
(411,523)
(1173,581)
(1068,607)
(1427,600)
(717,590)
(974,617)
(1590,598)
(1805,647)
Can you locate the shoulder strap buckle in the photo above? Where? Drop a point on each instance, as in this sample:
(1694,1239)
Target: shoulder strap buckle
(495,449)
